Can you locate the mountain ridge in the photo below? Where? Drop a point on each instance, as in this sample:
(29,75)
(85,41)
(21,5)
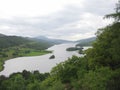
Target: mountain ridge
(86,42)
(8,41)
(55,41)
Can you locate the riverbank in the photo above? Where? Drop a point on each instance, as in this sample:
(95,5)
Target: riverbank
(11,53)
(41,63)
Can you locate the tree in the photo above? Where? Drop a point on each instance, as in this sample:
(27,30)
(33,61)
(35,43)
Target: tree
(116,15)
(106,49)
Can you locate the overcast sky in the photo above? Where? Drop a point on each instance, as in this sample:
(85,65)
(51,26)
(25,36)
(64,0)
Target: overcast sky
(63,19)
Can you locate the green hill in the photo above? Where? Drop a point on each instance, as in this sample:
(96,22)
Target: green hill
(53,41)
(99,69)
(12,41)
(86,42)
(15,46)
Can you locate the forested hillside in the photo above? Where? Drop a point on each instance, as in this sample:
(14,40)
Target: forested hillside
(86,42)
(11,41)
(99,69)
(15,46)
(50,40)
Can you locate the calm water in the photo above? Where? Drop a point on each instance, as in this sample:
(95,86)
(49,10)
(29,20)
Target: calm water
(40,63)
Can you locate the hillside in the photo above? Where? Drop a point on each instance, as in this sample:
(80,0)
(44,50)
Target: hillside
(15,46)
(86,42)
(97,69)
(1,35)
(12,41)
(53,41)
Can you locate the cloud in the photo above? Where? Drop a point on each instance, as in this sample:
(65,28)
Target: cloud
(72,22)
(100,7)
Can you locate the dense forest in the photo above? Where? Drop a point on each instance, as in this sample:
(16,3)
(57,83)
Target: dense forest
(99,69)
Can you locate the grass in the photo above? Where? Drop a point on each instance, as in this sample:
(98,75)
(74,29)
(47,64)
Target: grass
(1,65)
(14,52)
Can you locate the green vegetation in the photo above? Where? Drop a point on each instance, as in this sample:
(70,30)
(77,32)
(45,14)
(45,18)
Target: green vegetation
(23,81)
(52,57)
(73,49)
(77,48)
(86,42)
(11,41)
(99,69)
(14,46)
(14,52)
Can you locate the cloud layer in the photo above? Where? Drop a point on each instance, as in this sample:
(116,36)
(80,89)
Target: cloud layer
(75,20)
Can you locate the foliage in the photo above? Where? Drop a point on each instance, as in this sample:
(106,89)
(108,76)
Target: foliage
(74,48)
(116,15)
(10,41)
(99,69)
(14,46)
(23,81)
(105,51)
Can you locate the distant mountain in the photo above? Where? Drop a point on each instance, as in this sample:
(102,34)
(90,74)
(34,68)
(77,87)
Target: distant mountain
(54,41)
(12,41)
(2,35)
(42,37)
(87,39)
(86,42)
(40,42)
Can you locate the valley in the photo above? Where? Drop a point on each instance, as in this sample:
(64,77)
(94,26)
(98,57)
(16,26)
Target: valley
(15,46)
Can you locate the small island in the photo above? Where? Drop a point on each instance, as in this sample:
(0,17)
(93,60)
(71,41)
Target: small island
(76,48)
(52,57)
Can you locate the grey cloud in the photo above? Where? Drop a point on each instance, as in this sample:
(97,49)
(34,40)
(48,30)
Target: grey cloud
(49,23)
(70,14)
(60,24)
(100,7)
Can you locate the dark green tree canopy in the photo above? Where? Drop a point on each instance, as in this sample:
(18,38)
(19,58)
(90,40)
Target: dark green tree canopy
(106,49)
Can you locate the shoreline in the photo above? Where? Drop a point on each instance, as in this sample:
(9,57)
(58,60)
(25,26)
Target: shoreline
(43,52)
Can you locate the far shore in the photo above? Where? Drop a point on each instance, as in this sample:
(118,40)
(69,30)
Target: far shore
(32,53)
